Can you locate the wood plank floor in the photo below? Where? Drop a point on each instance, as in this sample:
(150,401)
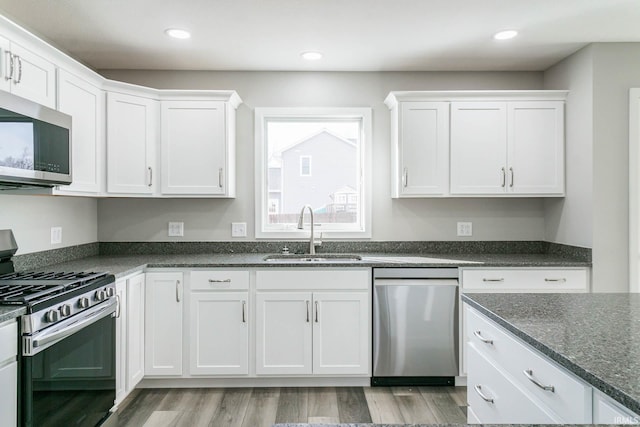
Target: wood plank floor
(256,407)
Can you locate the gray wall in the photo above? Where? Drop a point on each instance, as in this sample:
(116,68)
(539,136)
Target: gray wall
(599,77)
(31,218)
(420,219)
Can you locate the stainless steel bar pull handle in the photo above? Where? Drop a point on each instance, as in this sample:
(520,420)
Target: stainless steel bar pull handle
(177,290)
(118,306)
(405,177)
(560,280)
(219,280)
(220,177)
(529,374)
(9,58)
(484,397)
(511,172)
(316,311)
(493,280)
(504,177)
(19,79)
(307,311)
(244,307)
(481,338)
(150,176)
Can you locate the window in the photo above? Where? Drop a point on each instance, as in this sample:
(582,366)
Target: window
(305,165)
(319,157)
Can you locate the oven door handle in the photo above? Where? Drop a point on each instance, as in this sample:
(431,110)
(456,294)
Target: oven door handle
(38,342)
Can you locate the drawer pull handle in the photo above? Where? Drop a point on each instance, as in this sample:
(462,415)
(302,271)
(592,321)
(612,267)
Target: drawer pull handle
(529,374)
(561,280)
(493,280)
(481,338)
(219,280)
(482,395)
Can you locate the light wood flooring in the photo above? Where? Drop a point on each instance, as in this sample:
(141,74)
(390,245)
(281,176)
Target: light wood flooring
(255,407)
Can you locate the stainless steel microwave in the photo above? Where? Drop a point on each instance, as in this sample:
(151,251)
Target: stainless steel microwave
(35,144)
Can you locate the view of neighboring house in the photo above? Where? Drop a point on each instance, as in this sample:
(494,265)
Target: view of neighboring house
(318,170)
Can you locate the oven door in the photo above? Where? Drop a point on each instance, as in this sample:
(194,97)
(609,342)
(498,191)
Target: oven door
(69,370)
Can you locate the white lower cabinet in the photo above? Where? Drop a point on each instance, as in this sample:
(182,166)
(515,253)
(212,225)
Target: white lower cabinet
(510,382)
(129,334)
(9,373)
(322,331)
(218,323)
(163,324)
(607,411)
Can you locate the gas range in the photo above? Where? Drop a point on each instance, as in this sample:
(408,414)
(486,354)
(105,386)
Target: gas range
(50,298)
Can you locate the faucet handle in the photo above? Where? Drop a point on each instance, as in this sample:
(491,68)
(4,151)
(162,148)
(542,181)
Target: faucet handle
(285,250)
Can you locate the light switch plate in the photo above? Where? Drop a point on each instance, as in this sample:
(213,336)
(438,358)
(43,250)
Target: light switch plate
(465,229)
(238,229)
(176,229)
(56,235)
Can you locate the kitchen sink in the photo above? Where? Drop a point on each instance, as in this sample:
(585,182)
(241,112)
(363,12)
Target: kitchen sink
(312,258)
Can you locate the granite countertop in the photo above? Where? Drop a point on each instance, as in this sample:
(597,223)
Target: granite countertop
(126,264)
(595,336)
(11,312)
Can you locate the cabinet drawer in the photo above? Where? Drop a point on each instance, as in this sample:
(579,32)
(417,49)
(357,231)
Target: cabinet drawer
(508,403)
(8,340)
(570,398)
(607,411)
(320,279)
(529,280)
(211,280)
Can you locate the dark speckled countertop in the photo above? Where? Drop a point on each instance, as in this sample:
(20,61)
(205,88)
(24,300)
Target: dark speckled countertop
(127,264)
(595,336)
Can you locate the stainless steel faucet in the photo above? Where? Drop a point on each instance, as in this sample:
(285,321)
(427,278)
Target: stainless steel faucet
(312,248)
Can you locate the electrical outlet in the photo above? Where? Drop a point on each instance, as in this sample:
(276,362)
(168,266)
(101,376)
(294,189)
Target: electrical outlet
(465,229)
(56,235)
(238,229)
(176,229)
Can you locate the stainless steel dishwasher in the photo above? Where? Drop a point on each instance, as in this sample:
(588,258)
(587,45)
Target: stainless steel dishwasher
(415,326)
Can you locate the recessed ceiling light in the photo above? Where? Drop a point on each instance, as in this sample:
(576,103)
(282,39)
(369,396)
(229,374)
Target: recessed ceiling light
(177,33)
(311,56)
(505,35)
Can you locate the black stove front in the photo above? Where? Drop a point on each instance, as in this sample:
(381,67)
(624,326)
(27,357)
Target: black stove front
(66,344)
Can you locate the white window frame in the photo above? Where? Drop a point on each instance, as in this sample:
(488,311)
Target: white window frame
(290,231)
(303,174)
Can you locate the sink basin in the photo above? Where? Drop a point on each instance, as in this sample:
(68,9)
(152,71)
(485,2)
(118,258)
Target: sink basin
(312,258)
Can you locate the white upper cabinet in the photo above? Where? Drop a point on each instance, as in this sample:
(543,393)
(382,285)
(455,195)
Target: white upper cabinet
(85,103)
(27,74)
(420,147)
(478,147)
(131,139)
(535,149)
(198,147)
(477,143)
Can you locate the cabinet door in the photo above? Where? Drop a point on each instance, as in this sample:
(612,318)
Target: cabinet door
(478,147)
(423,148)
(5,64)
(283,333)
(219,333)
(9,394)
(121,340)
(135,330)
(163,321)
(85,104)
(341,333)
(34,77)
(536,147)
(194,153)
(131,138)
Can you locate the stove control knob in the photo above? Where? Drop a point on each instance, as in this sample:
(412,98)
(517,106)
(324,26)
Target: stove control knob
(52,316)
(100,295)
(65,310)
(83,302)
(111,292)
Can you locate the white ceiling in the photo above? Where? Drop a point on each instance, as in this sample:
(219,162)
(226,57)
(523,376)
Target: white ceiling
(354,35)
